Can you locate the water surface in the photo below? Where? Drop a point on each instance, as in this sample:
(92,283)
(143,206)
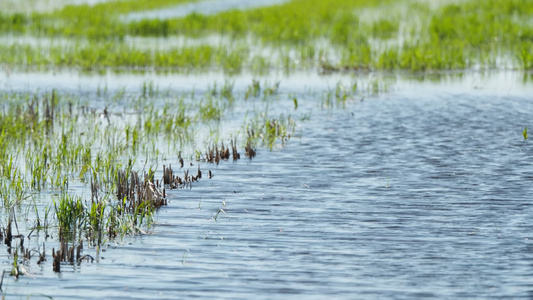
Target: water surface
(424,191)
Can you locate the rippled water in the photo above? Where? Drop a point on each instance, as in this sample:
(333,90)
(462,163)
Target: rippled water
(419,192)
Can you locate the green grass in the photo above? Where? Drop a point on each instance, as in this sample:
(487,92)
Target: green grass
(268,131)
(100,21)
(306,34)
(70,214)
(385,29)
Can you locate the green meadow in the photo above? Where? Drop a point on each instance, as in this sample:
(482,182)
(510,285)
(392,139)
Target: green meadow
(330,36)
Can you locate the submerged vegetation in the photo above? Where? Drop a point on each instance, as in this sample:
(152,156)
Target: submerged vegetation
(110,145)
(104,160)
(300,34)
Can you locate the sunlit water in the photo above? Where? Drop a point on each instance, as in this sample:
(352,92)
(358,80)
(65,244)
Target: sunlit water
(419,192)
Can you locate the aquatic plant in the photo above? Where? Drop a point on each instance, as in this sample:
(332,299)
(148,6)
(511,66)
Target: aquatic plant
(385,28)
(66,253)
(138,197)
(70,214)
(210,109)
(268,131)
(15,270)
(253,90)
(109,143)
(222,209)
(44,222)
(453,36)
(96,218)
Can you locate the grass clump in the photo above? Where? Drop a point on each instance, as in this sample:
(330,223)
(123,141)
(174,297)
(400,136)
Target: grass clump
(268,131)
(385,28)
(70,214)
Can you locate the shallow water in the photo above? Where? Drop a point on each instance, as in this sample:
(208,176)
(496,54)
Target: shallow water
(206,7)
(146,43)
(422,191)
(28,6)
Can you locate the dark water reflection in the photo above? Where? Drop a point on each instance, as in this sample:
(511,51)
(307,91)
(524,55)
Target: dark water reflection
(410,194)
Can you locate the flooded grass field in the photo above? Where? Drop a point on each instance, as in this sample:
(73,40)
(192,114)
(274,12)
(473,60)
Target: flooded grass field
(236,154)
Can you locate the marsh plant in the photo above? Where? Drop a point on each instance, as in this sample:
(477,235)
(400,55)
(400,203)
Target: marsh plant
(332,36)
(84,166)
(268,132)
(70,214)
